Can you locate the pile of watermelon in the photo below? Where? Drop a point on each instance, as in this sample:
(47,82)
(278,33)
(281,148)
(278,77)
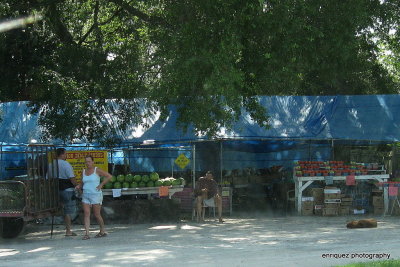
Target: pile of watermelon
(137,181)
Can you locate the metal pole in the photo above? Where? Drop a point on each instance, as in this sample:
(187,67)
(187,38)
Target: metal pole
(172,167)
(1,160)
(194,165)
(220,160)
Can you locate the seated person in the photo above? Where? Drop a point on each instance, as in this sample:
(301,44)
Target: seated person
(207,190)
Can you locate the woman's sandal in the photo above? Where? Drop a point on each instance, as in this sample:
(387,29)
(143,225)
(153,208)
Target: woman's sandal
(100,235)
(85,237)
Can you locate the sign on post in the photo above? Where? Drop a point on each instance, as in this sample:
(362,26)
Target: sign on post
(182,161)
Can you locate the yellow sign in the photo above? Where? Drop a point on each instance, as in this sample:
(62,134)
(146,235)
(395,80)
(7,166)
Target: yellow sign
(182,161)
(77,159)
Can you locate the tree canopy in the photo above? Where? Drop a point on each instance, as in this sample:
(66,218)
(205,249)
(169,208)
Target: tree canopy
(210,58)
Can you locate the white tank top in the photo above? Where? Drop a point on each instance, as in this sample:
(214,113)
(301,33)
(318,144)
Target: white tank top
(90,182)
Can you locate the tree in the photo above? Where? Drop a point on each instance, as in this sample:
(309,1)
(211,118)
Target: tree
(210,58)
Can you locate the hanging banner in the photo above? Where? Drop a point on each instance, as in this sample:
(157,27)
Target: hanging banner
(77,159)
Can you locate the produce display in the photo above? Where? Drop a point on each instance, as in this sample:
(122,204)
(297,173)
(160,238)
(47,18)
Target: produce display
(140,181)
(331,168)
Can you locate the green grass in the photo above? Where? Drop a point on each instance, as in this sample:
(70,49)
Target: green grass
(386,263)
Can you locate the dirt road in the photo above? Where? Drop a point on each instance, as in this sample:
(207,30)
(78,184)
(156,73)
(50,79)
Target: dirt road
(240,241)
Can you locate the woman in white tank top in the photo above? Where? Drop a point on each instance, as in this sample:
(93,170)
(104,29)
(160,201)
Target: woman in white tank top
(92,196)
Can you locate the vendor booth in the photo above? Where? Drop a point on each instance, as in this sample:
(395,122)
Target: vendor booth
(254,166)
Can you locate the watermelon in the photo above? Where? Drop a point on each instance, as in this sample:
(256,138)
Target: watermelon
(150,184)
(142,184)
(158,183)
(117,185)
(176,182)
(154,176)
(125,185)
(129,178)
(137,178)
(101,179)
(145,178)
(166,182)
(133,185)
(108,185)
(113,179)
(121,178)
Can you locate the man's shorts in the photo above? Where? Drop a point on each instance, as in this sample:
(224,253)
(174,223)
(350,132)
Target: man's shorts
(92,198)
(68,200)
(209,202)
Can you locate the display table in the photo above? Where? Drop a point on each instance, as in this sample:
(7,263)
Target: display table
(144,191)
(308,180)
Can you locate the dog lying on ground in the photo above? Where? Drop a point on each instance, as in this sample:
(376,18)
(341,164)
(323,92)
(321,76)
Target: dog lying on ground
(364,223)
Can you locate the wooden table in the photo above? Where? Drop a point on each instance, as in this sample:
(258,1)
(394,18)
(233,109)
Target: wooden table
(144,191)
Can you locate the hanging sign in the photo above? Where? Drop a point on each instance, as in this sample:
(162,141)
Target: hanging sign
(182,161)
(77,159)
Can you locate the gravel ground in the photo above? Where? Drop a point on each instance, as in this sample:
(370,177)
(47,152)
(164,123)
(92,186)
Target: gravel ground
(251,240)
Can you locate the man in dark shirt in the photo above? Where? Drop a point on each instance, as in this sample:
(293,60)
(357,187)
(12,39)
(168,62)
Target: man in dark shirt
(207,191)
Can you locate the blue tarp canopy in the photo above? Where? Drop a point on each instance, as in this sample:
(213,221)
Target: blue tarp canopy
(301,127)
(365,117)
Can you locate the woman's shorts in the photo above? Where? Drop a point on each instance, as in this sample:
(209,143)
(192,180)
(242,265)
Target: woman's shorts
(92,199)
(69,203)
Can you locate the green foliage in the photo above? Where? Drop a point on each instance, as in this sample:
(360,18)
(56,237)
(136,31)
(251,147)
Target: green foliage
(210,58)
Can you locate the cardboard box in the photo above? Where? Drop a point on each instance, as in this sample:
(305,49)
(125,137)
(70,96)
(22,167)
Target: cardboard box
(307,205)
(379,211)
(344,210)
(307,212)
(329,212)
(332,196)
(346,203)
(332,191)
(318,195)
(377,201)
(347,199)
(332,205)
(318,210)
(317,192)
(319,201)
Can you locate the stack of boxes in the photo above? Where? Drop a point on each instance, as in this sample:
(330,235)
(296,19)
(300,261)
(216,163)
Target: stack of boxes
(377,202)
(307,206)
(345,205)
(332,200)
(318,195)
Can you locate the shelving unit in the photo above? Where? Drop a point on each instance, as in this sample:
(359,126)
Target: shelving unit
(301,183)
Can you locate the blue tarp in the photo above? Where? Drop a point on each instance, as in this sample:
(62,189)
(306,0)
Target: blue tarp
(367,117)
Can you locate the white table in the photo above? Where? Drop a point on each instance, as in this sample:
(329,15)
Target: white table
(308,180)
(144,191)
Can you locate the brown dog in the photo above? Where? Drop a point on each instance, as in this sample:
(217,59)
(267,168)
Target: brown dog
(364,223)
